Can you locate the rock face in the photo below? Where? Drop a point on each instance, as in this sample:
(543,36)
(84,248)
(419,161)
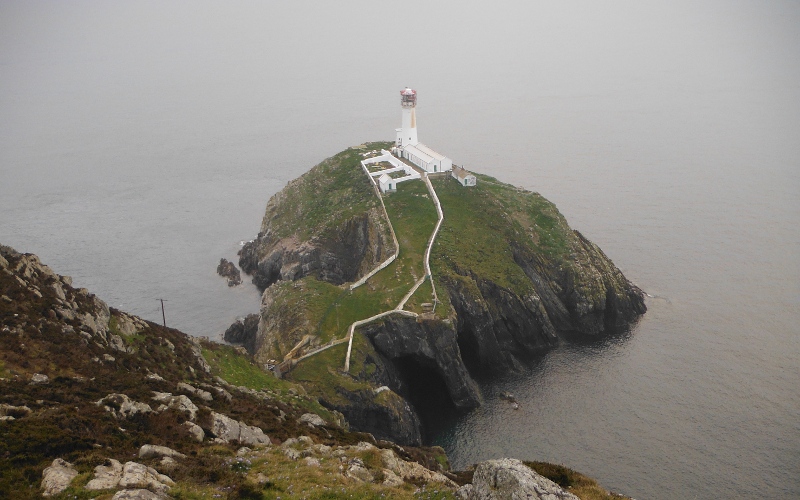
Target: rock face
(243,332)
(510,479)
(427,344)
(57,477)
(228,270)
(314,227)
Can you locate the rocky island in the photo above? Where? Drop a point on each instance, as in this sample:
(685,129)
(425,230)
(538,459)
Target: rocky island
(504,279)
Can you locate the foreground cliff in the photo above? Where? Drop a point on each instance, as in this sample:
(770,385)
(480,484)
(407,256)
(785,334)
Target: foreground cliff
(97,403)
(512,280)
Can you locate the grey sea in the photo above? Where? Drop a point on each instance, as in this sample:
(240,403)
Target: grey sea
(140,142)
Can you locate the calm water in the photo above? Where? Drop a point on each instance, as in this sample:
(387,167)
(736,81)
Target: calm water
(139,143)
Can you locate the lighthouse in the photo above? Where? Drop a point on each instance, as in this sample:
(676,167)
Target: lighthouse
(407,135)
(407,144)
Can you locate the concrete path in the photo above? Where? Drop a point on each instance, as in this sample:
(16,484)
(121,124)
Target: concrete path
(426,265)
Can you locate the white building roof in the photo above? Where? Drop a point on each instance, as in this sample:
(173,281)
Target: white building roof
(425,149)
(422,155)
(461,172)
(384,179)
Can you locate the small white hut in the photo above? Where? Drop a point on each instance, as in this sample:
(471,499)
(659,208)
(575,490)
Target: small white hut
(386,183)
(463,176)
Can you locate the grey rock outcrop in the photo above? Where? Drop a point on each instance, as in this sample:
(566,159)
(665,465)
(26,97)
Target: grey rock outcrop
(510,479)
(121,406)
(153,450)
(311,419)
(230,430)
(200,393)
(179,402)
(243,332)
(106,477)
(57,477)
(130,476)
(195,431)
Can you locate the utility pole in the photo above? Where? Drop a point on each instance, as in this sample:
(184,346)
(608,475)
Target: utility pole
(163,316)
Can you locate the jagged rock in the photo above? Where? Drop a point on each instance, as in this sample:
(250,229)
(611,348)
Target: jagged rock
(57,477)
(121,406)
(311,462)
(154,376)
(152,450)
(227,269)
(109,358)
(228,429)
(243,332)
(358,471)
(195,431)
(137,494)
(412,471)
(198,354)
(39,379)
(136,475)
(509,478)
(180,403)
(391,479)
(129,325)
(311,419)
(204,395)
(219,390)
(115,342)
(106,477)
(305,441)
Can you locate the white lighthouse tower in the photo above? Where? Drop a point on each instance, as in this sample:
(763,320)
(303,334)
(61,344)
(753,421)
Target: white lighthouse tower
(407,135)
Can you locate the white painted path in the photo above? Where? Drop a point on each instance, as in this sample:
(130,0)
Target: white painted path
(426,265)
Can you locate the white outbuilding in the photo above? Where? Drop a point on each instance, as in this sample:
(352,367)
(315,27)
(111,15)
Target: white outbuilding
(386,183)
(463,176)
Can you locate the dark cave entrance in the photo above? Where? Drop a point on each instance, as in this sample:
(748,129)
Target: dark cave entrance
(427,392)
(468,346)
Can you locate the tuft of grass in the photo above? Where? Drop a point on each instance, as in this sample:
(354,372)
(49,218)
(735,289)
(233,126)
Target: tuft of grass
(485,224)
(238,369)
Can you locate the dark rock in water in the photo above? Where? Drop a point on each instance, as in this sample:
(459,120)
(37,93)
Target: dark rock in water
(243,332)
(228,269)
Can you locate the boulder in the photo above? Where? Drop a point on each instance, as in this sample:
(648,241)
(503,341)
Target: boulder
(57,477)
(195,431)
(106,477)
(509,478)
(136,475)
(121,406)
(356,470)
(153,451)
(180,403)
(312,419)
(412,471)
(228,429)
(200,393)
(39,379)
